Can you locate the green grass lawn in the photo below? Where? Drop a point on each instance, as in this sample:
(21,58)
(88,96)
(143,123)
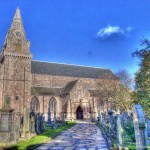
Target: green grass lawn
(41,138)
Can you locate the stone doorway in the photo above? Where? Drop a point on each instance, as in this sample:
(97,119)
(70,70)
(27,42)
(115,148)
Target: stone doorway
(79,113)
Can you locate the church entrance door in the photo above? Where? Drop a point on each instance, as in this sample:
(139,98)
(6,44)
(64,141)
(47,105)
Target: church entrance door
(79,113)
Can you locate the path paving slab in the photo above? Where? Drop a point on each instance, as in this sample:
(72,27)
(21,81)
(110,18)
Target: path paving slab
(83,136)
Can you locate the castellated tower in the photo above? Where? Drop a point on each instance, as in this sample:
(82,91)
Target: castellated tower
(15,67)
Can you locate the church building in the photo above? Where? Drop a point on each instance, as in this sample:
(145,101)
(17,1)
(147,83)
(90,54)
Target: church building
(45,86)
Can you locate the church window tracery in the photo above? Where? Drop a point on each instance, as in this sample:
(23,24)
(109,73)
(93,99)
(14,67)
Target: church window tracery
(34,105)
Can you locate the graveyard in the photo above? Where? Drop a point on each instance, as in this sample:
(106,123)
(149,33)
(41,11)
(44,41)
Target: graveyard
(46,105)
(123,131)
(48,134)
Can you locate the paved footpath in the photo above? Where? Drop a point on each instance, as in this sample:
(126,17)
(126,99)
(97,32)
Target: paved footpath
(83,136)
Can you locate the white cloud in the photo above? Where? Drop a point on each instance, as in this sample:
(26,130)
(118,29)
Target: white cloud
(112,30)
(129,28)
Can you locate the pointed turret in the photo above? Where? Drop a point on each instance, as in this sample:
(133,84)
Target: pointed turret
(16,39)
(17,14)
(17,21)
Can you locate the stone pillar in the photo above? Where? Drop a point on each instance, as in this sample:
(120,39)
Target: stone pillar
(18,126)
(25,122)
(68,110)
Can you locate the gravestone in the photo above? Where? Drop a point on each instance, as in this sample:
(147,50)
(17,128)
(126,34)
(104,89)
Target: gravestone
(148,128)
(54,121)
(99,118)
(139,127)
(63,118)
(119,131)
(111,125)
(42,122)
(103,120)
(6,116)
(38,123)
(125,115)
(49,117)
(32,122)
(6,124)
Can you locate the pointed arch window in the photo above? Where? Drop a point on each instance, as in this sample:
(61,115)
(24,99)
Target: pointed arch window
(34,105)
(52,104)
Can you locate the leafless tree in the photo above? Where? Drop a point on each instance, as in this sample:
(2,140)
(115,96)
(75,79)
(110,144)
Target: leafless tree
(115,92)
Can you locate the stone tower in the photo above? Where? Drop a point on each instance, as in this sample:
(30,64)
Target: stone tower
(15,67)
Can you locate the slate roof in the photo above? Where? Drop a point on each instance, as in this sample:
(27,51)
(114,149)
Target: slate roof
(45,91)
(68,70)
(69,86)
(35,90)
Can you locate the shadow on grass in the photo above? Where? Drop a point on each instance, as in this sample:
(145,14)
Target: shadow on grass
(40,139)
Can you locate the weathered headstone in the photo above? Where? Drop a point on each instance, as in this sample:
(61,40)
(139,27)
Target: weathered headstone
(6,124)
(139,127)
(104,120)
(99,118)
(111,125)
(32,122)
(125,115)
(63,118)
(38,123)
(119,131)
(42,122)
(49,117)
(148,128)
(54,121)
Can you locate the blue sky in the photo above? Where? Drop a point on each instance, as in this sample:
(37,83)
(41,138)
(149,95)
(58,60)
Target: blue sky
(101,33)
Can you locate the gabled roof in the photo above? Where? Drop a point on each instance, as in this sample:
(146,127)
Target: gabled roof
(69,86)
(69,70)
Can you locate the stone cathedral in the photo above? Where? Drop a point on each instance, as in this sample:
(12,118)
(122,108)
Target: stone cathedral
(34,86)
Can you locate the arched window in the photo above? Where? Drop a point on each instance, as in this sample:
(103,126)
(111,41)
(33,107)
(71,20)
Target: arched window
(34,105)
(52,104)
